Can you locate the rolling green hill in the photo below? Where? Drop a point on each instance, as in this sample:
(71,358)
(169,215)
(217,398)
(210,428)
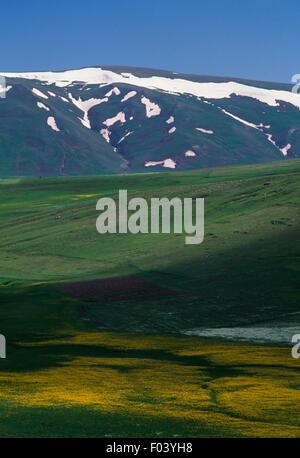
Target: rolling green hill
(96,325)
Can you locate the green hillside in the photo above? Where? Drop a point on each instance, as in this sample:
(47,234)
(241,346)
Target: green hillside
(92,359)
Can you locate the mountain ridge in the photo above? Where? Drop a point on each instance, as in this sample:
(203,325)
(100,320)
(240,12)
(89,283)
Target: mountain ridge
(155,71)
(99,120)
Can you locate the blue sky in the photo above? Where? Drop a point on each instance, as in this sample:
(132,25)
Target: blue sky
(255,39)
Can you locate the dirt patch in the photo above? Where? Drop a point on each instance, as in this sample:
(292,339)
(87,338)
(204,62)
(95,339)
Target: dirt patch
(116,289)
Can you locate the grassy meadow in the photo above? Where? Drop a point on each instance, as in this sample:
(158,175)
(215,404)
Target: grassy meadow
(110,365)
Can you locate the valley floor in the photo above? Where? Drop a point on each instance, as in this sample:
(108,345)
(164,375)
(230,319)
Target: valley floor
(96,326)
(110,384)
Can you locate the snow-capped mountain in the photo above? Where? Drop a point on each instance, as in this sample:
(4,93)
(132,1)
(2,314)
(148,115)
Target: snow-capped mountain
(109,120)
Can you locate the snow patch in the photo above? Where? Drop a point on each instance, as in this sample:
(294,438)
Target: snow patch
(259,127)
(246,123)
(42,106)
(120,117)
(85,120)
(152,109)
(190,153)
(115,91)
(39,93)
(52,123)
(105,134)
(205,131)
(86,105)
(129,96)
(171,120)
(286,149)
(168,163)
(125,136)
(270,138)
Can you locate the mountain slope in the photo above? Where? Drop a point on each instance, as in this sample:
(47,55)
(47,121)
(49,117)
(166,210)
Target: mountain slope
(110,120)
